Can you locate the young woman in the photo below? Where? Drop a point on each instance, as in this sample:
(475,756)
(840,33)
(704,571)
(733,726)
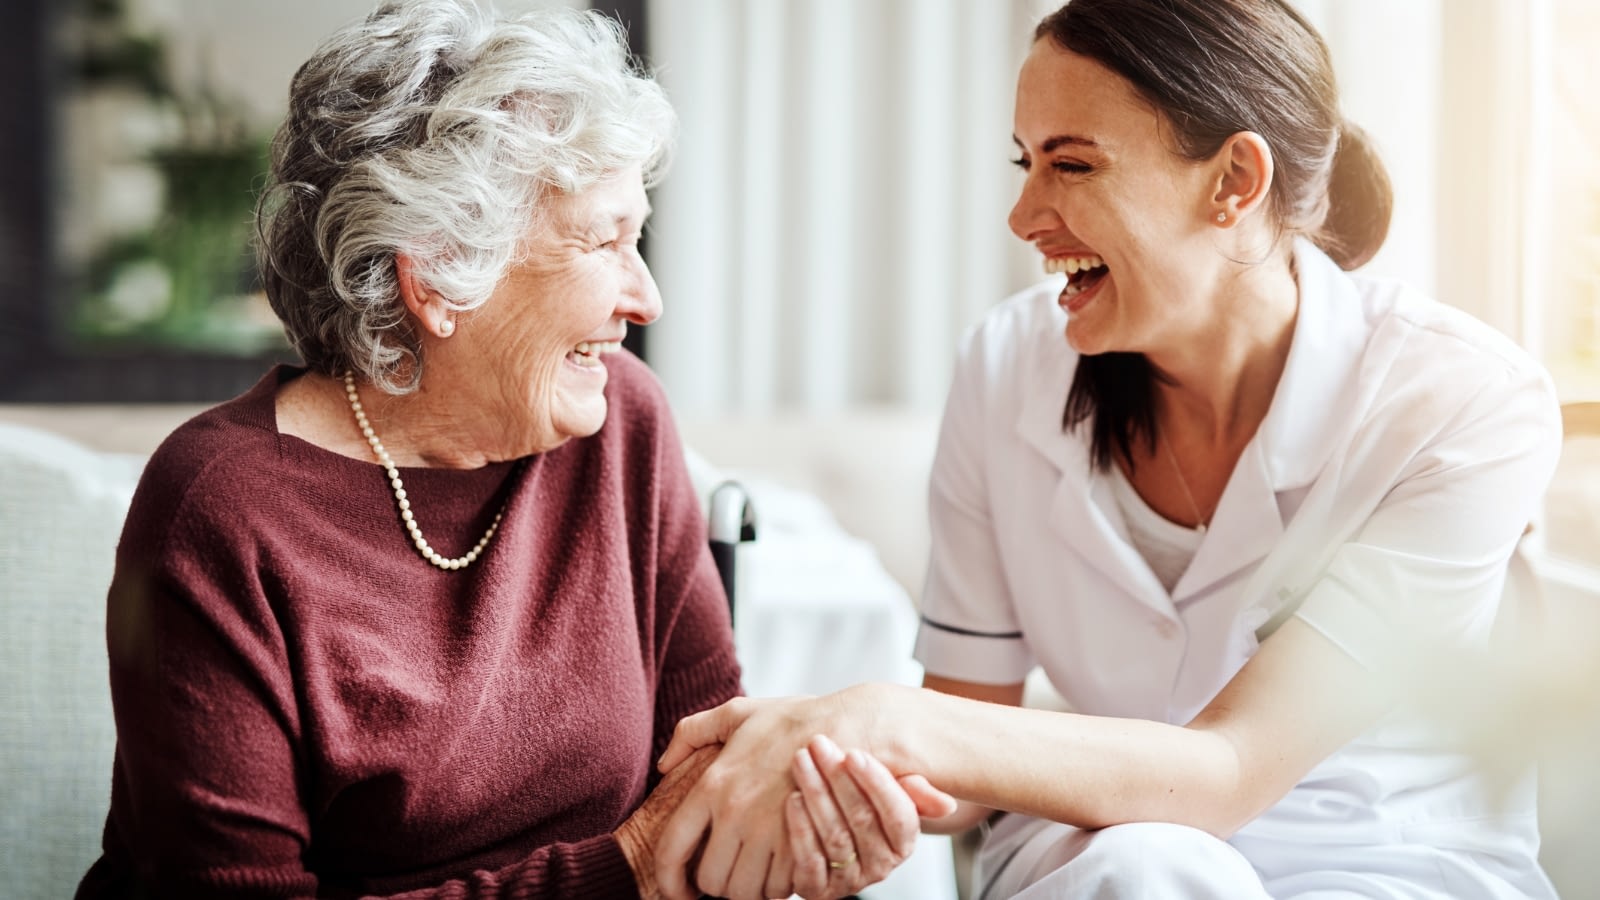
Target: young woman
(1219,488)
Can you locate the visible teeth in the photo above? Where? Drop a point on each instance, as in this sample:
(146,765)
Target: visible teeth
(589,352)
(1072,265)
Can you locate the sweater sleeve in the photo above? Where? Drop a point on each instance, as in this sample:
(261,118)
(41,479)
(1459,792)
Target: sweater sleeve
(696,667)
(209,795)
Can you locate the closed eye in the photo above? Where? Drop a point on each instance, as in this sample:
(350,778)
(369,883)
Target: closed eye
(619,242)
(1071,168)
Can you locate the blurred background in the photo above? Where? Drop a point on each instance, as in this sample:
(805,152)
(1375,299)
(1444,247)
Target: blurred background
(836,213)
(835,216)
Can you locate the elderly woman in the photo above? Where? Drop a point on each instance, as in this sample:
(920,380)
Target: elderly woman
(419,616)
(1222,490)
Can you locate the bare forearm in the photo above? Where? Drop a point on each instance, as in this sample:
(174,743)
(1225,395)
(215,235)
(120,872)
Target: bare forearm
(1084,770)
(967,815)
(1300,698)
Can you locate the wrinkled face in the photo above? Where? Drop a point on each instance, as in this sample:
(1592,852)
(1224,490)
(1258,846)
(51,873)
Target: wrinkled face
(542,337)
(1107,201)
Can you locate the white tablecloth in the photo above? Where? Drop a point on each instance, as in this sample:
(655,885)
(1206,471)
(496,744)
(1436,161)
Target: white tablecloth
(815,612)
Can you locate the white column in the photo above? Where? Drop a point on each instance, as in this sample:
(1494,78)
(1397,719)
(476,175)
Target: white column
(692,233)
(1483,164)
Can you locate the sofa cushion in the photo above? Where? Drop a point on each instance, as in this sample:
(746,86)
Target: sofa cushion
(61,511)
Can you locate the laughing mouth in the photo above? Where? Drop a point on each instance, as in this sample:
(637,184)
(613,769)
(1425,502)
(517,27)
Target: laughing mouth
(1081,271)
(588,353)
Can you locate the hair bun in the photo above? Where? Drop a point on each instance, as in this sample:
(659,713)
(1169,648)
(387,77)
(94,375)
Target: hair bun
(1360,201)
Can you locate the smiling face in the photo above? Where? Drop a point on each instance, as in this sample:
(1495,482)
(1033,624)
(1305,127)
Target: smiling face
(1106,200)
(537,345)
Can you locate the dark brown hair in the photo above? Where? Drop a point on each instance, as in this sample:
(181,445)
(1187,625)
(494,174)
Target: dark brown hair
(1213,68)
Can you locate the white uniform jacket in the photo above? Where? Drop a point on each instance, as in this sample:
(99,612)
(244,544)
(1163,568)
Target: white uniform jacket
(1404,451)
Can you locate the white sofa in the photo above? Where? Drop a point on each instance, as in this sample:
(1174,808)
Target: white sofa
(61,507)
(66,474)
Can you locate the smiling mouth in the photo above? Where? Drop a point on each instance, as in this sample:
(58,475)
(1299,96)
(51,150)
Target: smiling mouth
(1082,272)
(588,353)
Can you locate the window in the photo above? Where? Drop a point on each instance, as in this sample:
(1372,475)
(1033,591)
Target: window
(1563,250)
(157,171)
(1571,238)
(136,134)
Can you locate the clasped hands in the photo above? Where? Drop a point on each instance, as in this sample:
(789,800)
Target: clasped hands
(782,809)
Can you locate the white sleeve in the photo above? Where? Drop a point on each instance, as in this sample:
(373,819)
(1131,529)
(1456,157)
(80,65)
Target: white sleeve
(969,629)
(1429,564)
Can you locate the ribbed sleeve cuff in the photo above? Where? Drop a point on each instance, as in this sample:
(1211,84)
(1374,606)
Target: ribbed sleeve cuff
(593,869)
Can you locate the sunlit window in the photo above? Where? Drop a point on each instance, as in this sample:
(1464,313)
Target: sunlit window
(1569,299)
(1572,305)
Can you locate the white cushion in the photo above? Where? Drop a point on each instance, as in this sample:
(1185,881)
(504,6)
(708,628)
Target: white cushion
(61,511)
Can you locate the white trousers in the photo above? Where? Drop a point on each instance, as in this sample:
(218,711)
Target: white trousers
(1036,859)
(1033,859)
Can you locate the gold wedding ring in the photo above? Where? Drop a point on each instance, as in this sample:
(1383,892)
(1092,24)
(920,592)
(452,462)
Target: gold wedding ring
(836,864)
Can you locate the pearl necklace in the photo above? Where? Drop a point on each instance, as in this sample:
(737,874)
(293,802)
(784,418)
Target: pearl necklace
(428,553)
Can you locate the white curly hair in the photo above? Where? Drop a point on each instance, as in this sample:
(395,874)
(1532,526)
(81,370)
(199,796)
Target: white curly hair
(435,129)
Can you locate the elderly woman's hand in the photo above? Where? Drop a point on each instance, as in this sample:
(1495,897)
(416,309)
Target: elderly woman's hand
(641,832)
(852,822)
(744,799)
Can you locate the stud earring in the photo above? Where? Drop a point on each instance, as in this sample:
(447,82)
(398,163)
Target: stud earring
(1222,217)
(447,327)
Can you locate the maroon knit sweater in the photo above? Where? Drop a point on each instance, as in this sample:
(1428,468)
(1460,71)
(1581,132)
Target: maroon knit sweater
(305,707)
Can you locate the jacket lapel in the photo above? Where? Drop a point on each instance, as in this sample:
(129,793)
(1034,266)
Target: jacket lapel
(1100,537)
(1244,528)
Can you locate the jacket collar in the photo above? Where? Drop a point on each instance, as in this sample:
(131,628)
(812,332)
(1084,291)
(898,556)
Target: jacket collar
(1316,395)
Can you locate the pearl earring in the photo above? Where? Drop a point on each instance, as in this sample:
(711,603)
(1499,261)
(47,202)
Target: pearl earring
(1222,217)
(446,328)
